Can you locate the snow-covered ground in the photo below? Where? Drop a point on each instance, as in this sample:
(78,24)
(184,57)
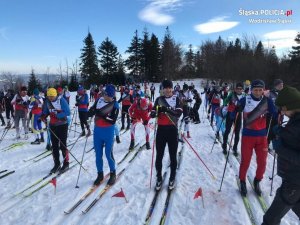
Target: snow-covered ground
(47,207)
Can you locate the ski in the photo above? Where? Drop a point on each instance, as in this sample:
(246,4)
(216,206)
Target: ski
(36,156)
(85,196)
(247,204)
(3,171)
(153,203)
(100,195)
(56,175)
(180,155)
(166,206)
(7,174)
(127,154)
(136,153)
(42,156)
(12,146)
(260,199)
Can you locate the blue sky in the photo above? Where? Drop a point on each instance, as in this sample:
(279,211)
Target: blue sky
(41,34)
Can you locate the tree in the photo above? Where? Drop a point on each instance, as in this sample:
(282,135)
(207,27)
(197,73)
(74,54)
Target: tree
(89,62)
(189,68)
(108,57)
(133,62)
(145,55)
(33,83)
(154,58)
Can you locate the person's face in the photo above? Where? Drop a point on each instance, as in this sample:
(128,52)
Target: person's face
(51,98)
(168,92)
(286,112)
(279,87)
(23,93)
(239,90)
(257,92)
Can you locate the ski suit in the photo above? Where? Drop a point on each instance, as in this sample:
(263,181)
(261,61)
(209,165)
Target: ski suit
(36,104)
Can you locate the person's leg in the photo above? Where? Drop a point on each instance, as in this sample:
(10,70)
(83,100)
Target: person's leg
(160,150)
(248,144)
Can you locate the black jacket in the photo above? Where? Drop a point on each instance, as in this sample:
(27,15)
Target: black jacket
(288,162)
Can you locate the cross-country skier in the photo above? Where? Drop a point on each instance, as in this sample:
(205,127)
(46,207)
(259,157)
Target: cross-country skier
(82,102)
(126,99)
(186,99)
(106,111)
(168,110)
(287,147)
(58,109)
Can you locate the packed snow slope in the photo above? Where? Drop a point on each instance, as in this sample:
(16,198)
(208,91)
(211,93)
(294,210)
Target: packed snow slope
(47,206)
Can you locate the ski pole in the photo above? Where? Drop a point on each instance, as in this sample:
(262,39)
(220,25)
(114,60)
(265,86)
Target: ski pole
(198,156)
(75,122)
(153,145)
(216,135)
(273,169)
(227,157)
(67,148)
(81,162)
(71,122)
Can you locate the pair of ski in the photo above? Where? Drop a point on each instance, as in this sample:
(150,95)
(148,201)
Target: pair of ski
(5,173)
(153,203)
(14,145)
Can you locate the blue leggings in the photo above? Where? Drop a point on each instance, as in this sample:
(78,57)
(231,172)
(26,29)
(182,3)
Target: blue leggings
(104,135)
(116,128)
(37,124)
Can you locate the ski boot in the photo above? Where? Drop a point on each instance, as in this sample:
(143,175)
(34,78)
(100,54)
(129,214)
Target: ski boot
(65,167)
(99,179)
(224,147)
(48,147)
(257,187)
(88,133)
(118,139)
(158,183)
(36,142)
(148,145)
(171,184)
(123,127)
(55,168)
(131,147)
(235,153)
(82,134)
(3,124)
(188,134)
(42,140)
(243,188)
(112,178)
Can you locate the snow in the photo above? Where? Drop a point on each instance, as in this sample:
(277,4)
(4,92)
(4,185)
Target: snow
(47,207)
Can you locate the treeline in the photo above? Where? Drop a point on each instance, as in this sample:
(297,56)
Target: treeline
(152,60)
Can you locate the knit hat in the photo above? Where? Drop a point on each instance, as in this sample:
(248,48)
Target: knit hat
(167,84)
(110,90)
(80,89)
(51,92)
(59,89)
(36,91)
(239,85)
(23,88)
(258,84)
(277,82)
(185,87)
(288,98)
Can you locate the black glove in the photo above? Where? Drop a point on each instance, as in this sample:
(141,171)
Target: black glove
(162,109)
(76,104)
(153,114)
(145,122)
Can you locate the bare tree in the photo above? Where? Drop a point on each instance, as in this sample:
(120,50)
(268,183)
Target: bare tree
(8,80)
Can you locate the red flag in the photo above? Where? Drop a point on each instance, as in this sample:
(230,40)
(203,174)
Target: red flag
(198,193)
(53,181)
(119,194)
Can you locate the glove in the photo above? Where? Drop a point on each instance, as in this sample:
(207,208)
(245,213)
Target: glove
(43,118)
(145,122)
(276,130)
(162,109)
(153,114)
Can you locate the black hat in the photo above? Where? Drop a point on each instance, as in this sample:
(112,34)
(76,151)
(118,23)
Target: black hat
(167,84)
(23,88)
(185,87)
(288,98)
(258,84)
(239,85)
(277,82)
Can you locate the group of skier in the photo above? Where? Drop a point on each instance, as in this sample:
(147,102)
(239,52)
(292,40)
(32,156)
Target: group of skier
(259,112)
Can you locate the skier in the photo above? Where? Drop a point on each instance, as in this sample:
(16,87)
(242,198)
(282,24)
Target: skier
(36,104)
(214,101)
(224,91)
(67,94)
(196,106)
(287,147)
(138,111)
(168,110)
(152,89)
(21,102)
(58,109)
(278,86)
(82,102)
(231,103)
(186,99)
(8,107)
(254,108)
(2,108)
(106,111)
(126,99)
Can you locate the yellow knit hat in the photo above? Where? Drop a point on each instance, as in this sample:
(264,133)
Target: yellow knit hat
(51,92)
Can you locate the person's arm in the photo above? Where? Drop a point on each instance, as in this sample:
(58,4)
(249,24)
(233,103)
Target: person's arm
(65,109)
(112,118)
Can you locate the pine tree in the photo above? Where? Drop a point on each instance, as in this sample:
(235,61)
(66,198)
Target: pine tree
(145,56)
(189,68)
(33,83)
(89,62)
(154,59)
(109,57)
(133,62)
(73,85)
(295,53)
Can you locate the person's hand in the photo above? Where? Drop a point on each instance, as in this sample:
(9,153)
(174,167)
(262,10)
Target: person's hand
(162,109)
(153,114)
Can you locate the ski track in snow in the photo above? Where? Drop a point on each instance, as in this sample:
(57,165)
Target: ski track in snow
(47,208)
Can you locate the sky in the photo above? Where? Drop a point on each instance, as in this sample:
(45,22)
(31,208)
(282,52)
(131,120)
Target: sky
(44,34)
